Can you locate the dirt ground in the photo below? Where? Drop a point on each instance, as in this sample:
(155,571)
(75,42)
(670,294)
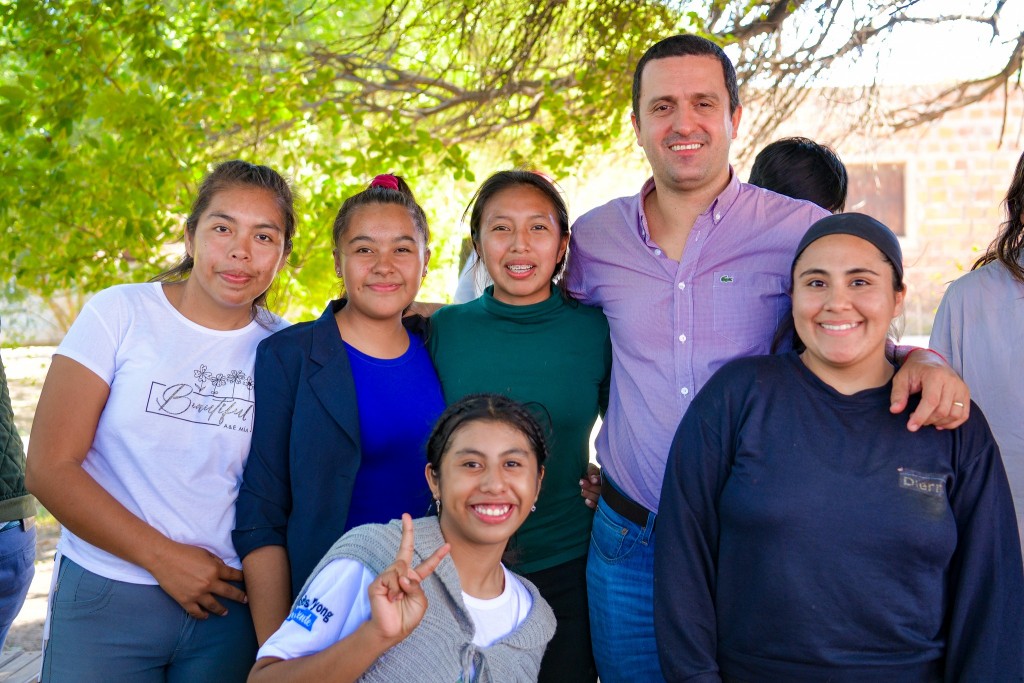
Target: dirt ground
(26,369)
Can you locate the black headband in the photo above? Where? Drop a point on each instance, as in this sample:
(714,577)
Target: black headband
(858,225)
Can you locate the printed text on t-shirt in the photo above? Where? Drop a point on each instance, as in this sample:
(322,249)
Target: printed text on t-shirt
(219,399)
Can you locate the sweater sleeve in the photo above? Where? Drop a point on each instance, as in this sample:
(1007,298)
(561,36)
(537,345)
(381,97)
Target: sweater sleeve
(265,500)
(685,560)
(985,640)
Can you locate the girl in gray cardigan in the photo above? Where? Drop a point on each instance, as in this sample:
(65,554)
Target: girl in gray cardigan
(430,600)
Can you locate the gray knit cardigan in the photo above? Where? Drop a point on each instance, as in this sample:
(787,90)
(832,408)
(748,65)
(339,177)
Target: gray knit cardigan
(441,648)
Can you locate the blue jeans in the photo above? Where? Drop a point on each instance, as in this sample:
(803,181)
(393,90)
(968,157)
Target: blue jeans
(620,588)
(17,565)
(107,630)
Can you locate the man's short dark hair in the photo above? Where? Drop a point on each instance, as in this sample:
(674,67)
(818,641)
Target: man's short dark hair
(803,169)
(687,45)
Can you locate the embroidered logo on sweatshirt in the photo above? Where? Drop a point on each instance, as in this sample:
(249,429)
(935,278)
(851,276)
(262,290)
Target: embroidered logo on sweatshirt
(922,482)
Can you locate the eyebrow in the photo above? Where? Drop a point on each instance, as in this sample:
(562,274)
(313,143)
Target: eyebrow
(851,271)
(232,219)
(367,238)
(690,97)
(473,451)
(532,216)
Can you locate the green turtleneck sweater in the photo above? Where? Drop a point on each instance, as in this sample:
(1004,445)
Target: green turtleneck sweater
(556,353)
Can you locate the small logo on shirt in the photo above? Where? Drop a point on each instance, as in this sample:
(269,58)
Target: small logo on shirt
(928,484)
(726,278)
(302,617)
(307,610)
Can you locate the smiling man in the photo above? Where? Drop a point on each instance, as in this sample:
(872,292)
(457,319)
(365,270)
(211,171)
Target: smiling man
(691,272)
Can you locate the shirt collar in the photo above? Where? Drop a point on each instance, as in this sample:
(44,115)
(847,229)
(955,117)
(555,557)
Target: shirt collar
(719,207)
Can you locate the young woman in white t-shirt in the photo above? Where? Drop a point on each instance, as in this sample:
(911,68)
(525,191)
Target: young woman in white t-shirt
(138,446)
(430,599)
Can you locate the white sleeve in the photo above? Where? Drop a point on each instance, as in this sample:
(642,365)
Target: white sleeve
(95,336)
(473,280)
(331,609)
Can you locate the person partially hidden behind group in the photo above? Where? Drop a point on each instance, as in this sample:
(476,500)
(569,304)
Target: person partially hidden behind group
(980,316)
(802,169)
(429,600)
(806,535)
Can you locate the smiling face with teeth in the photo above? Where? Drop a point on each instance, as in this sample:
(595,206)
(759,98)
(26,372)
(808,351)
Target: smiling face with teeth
(844,300)
(487,481)
(520,241)
(684,123)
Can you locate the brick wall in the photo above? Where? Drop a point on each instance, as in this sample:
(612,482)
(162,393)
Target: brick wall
(956,175)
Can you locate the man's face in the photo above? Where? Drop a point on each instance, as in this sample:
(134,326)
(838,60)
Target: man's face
(684,124)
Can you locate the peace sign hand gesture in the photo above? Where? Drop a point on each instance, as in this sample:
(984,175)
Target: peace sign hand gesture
(397,602)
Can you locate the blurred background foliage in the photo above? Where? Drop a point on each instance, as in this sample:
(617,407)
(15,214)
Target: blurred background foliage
(111,112)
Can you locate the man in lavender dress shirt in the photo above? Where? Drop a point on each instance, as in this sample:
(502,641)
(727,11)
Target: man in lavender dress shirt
(692,272)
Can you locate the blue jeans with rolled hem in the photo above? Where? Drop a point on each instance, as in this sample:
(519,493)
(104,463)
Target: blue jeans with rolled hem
(17,565)
(620,589)
(107,630)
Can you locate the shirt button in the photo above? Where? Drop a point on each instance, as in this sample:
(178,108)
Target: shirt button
(682,337)
(657,252)
(682,285)
(684,391)
(718,217)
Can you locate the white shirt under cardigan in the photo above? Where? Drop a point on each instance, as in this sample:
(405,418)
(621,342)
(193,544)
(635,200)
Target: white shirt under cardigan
(336,603)
(173,437)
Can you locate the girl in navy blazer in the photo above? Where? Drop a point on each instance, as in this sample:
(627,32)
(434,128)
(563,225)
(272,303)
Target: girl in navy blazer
(327,452)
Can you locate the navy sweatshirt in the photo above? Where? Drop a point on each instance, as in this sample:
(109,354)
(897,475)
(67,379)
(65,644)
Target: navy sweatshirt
(805,535)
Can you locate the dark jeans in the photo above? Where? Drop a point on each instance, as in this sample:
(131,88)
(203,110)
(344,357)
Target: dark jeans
(569,658)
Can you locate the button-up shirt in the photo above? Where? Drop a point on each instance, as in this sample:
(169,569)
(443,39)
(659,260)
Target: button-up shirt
(674,323)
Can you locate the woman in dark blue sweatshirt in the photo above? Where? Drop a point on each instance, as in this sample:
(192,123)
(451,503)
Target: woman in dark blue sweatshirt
(806,535)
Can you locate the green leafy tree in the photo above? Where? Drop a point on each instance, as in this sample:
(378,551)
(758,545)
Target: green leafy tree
(111,112)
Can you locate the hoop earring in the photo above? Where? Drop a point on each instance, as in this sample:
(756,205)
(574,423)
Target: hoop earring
(533,509)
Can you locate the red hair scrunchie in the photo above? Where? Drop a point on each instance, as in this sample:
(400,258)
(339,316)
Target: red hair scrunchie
(385,180)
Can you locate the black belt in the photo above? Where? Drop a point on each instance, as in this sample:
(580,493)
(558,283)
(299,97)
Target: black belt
(624,505)
(25,524)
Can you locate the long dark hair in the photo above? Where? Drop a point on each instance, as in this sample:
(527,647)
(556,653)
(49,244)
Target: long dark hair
(504,180)
(225,176)
(1007,246)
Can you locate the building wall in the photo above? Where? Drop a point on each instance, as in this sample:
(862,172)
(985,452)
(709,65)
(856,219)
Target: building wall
(956,175)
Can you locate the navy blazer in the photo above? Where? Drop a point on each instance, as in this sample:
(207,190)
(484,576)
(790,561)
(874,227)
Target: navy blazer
(305,450)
